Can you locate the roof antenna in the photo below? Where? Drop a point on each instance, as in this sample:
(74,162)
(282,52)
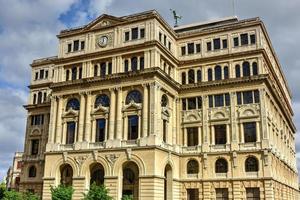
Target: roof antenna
(176,17)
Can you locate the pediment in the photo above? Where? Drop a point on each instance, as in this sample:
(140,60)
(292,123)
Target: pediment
(103,21)
(132,106)
(71,113)
(101,109)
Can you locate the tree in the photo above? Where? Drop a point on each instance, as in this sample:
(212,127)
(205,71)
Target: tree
(2,189)
(30,196)
(62,192)
(97,192)
(127,197)
(9,195)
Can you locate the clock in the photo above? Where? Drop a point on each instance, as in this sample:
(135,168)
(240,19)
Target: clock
(102,41)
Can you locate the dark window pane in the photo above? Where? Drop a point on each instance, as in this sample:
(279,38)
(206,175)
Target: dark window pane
(80,73)
(183,78)
(244,39)
(165,130)
(34,147)
(227,99)
(192,167)
(221,166)
(134,96)
(199,99)
(96,70)
(239,98)
(198,48)
(191,76)
(82,45)
(103,69)
(69,47)
(208,46)
(70,133)
(211,101)
(247,97)
(73,104)
(170,46)
(134,33)
(165,40)
(160,37)
(109,68)
(192,136)
(199,76)
(67,75)
(246,69)
(102,100)
(254,68)
(253,39)
(221,194)
(217,44)
(251,164)
(220,134)
(191,49)
(126,36)
(183,104)
(32,172)
(236,42)
(126,63)
(219,100)
(252,194)
(209,72)
(218,73)
(142,33)
(36,75)
(237,71)
(41,74)
(74,73)
(226,73)
(192,194)
(46,74)
(225,45)
(134,64)
(133,123)
(76,45)
(183,52)
(256,96)
(40,96)
(191,103)
(100,130)
(142,63)
(250,132)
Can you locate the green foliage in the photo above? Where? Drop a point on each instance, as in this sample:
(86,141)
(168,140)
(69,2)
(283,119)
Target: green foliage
(97,192)
(12,195)
(62,192)
(127,197)
(2,189)
(30,196)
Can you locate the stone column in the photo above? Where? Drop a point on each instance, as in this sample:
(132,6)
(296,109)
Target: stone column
(112,114)
(264,122)
(52,122)
(242,133)
(87,134)
(119,114)
(212,132)
(81,117)
(59,120)
(145,112)
(228,134)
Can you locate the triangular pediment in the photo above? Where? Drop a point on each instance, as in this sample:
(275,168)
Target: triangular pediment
(103,21)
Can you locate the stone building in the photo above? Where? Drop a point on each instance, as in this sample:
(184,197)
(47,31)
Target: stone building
(201,111)
(14,173)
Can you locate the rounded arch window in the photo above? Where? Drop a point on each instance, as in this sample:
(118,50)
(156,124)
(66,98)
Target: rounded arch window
(97,174)
(192,167)
(134,96)
(191,75)
(251,164)
(218,72)
(246,68)
(164,100)
(66,173)
(134,62)
(254,68)
(102,100)
(221,166)
(73,104)
(32,172)
(237,71)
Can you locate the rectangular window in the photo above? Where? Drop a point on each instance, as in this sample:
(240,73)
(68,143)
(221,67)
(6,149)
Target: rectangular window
(244,39)
(37,120)
(198,48)
(70,132)
(191,103)
(34,147)
(252,194)
(80,73)
(134,33)
(227,99)
(247,97)
(36,75)
(82,44)
(109,68)
(46,74)
(183,51)
(220,134)
(250,132)
(208,46)
(76,45)
(160,37)
(252,39)
(142,63)
(217,44)
(165,131)
(133,123)
(256,96)
(183,104)
(236,42)
(211,101)
(165,40)
(127,36)
(192,194)
(199,101)
(170,46)
(191,49)
(41,74)
(100,130)
(221,194)
(192,136)
(239,98)
(142,32)
(224,43)
(219,100)
(69,47)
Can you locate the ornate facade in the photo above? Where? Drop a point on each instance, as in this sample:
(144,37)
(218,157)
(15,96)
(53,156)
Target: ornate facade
(201,111)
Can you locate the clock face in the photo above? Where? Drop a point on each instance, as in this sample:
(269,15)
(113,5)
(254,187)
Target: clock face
(103,40)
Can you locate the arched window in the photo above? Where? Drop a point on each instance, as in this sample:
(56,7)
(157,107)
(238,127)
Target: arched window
(34,99)
(199,76)
(45,97)
(96,70)
(192,167)
(237,71)
(246,68)
(168,183)
(126,65)
(67,75)
(74,73)
(142,63)
(191,75)
(74,104)
(209,74)
(102,100)
(130,180)
(103,69)
(218,72)
(251,164)
(254,68)
(226,72)
(32,172)
(134,96)
(164,100)
(134,64)
(97,174)
(183,78)
(40,96)
(66,175)
(221,166)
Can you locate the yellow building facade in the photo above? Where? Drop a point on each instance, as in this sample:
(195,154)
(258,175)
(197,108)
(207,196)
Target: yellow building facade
(201,111)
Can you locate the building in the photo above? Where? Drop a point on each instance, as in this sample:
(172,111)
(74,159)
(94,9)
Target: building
(201,111)
(14,173)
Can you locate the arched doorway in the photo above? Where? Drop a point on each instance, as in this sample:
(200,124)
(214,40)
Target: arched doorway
(168,183)
(97,174)
(66,175)
(130,180)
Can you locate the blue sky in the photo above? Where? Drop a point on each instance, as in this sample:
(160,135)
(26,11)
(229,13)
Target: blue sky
(28,31)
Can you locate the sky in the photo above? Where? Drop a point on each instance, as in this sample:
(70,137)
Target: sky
(28,30)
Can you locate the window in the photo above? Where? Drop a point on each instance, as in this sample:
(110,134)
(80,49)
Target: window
(165,131)
(218,72)
(249,132)
(199,101)
(221,194)
(133,123)
(199,76)
(102,69)
(191,75)
(134,33)
(34,99)
(142,32)
(252,39)
(34,147)
(134,96)
(254,68)
(191,103)
(192,167)
(220,134)
(127,36)
(37,120)
(227,99)
(226,72)
(183,104)
(169,46)
(208,46)
(74,73)
(248,97)
(192,136)
(134,64)
(100,130)
(236,42)
(244,39)
(160,36)
(97,174)
(217,44)
(239,98)
(198,48)
(40,96)
(109,68)
(46,74)
(191,49)
(219,100)
(69,48)
(165,40)
(102,100)
(96,70)
(183,51)
(251,164)
(70,132)
(252,194)
(256,96)
(210,101)
(142,63)
(164,100)
(41,74)
(67,75)
(221,166)
(225,45)
(32,172)
(76,45)
(80,73)
(246,69)
(66,175)
(126,63)
(237,71)
(36,75)
(192,194)
(183,78)
(209,72)
(82,44)
(73,104)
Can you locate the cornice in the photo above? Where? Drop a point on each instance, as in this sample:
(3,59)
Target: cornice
(35,106)
(39,85)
